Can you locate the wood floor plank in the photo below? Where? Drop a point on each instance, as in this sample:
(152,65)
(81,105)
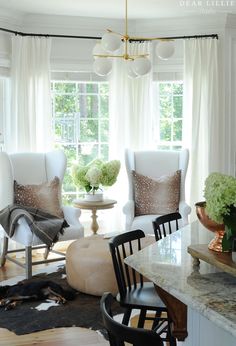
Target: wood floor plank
(72,336)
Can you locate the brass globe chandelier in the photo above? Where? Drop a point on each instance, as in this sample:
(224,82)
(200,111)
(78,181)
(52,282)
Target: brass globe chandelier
(137,65)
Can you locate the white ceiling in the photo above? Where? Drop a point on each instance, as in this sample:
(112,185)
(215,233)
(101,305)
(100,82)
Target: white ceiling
(115,8)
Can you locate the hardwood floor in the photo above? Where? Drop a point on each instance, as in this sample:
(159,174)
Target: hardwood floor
(73,336)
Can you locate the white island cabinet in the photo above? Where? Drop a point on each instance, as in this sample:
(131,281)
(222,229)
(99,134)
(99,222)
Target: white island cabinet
(201,300)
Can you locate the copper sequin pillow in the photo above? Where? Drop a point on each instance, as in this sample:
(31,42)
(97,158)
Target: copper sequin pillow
(156,196)
(43,196)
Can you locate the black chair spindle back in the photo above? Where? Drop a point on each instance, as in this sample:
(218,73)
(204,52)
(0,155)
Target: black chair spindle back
(119,333)
(122,246)
(163,225)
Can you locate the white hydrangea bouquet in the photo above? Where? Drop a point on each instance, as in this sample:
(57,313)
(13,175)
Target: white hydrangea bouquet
(96,174)
(220,195)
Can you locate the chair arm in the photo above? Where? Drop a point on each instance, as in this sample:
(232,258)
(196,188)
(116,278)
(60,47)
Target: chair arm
(128,210)
(184,210)
(72,215)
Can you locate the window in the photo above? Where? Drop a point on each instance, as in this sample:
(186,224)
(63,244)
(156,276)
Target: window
(81,124)
(170,106)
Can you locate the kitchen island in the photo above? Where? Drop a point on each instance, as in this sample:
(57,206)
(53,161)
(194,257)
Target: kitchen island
(202,299)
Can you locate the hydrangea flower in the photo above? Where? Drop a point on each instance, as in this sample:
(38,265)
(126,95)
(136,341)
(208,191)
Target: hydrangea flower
(97,173)
(220,195)
(94,175)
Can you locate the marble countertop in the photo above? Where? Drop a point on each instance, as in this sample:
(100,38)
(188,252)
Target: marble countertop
(207,290)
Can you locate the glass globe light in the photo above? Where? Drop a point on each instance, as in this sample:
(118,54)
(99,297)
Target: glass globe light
(141,66)
(165,49)
(98,50)
(111,42)
(102,66)
(130,70)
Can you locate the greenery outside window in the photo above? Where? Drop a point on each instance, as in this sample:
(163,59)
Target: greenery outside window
(81,124)
(170,110)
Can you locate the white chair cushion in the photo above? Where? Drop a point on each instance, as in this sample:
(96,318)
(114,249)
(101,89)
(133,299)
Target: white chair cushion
(144,223)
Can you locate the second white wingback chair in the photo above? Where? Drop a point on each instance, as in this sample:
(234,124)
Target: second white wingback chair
(33,168)
(154,164)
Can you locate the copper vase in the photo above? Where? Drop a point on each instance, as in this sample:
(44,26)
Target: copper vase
(219,229)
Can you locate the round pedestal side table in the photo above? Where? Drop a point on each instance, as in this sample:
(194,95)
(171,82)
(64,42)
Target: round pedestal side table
(94,206)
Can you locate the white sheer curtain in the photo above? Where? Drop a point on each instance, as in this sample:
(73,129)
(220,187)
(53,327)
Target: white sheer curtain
(31,121)
(130,106)
(203,119)
(130,117)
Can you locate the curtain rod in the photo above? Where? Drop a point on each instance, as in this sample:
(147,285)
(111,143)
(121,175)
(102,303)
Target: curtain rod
(98,38)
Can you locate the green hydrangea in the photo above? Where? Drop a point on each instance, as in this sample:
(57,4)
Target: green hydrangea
(110,171)
(94,175)
(78,175)
(97,173)
(220,195)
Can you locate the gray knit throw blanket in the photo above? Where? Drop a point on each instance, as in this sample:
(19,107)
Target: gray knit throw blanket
(45,226)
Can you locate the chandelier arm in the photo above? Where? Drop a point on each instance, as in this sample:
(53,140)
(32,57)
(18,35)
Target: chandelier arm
(108,56)
(127,56)
(138,56)
(115,32)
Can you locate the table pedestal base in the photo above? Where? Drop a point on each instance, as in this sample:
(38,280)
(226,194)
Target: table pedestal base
(94,224)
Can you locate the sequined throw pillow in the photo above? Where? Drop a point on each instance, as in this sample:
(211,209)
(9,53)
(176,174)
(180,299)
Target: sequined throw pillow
(156,196)
(43,196)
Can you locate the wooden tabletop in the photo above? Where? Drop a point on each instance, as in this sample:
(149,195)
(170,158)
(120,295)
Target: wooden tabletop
(105,204)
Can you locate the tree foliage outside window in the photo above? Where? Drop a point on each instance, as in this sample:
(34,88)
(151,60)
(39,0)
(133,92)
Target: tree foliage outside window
(81,125)
(171,115)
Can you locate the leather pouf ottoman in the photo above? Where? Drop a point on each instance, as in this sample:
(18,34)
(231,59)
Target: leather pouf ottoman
(89,266)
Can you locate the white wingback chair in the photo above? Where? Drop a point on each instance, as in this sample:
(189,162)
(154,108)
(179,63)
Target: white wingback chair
(33,168)
(154,164)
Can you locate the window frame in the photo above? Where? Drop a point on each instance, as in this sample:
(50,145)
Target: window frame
(165,144)
(75,116)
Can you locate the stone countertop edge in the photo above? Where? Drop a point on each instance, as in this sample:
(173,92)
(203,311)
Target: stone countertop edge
(192,296)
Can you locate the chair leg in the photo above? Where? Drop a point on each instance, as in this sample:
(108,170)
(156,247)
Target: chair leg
(112,340)
(156,320)
(141,319)
(28,262)
(173,342)
(172,339)
(46,253)
(126,316)
(4,251)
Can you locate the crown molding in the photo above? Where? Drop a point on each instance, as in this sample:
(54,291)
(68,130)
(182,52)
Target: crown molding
(203,24)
